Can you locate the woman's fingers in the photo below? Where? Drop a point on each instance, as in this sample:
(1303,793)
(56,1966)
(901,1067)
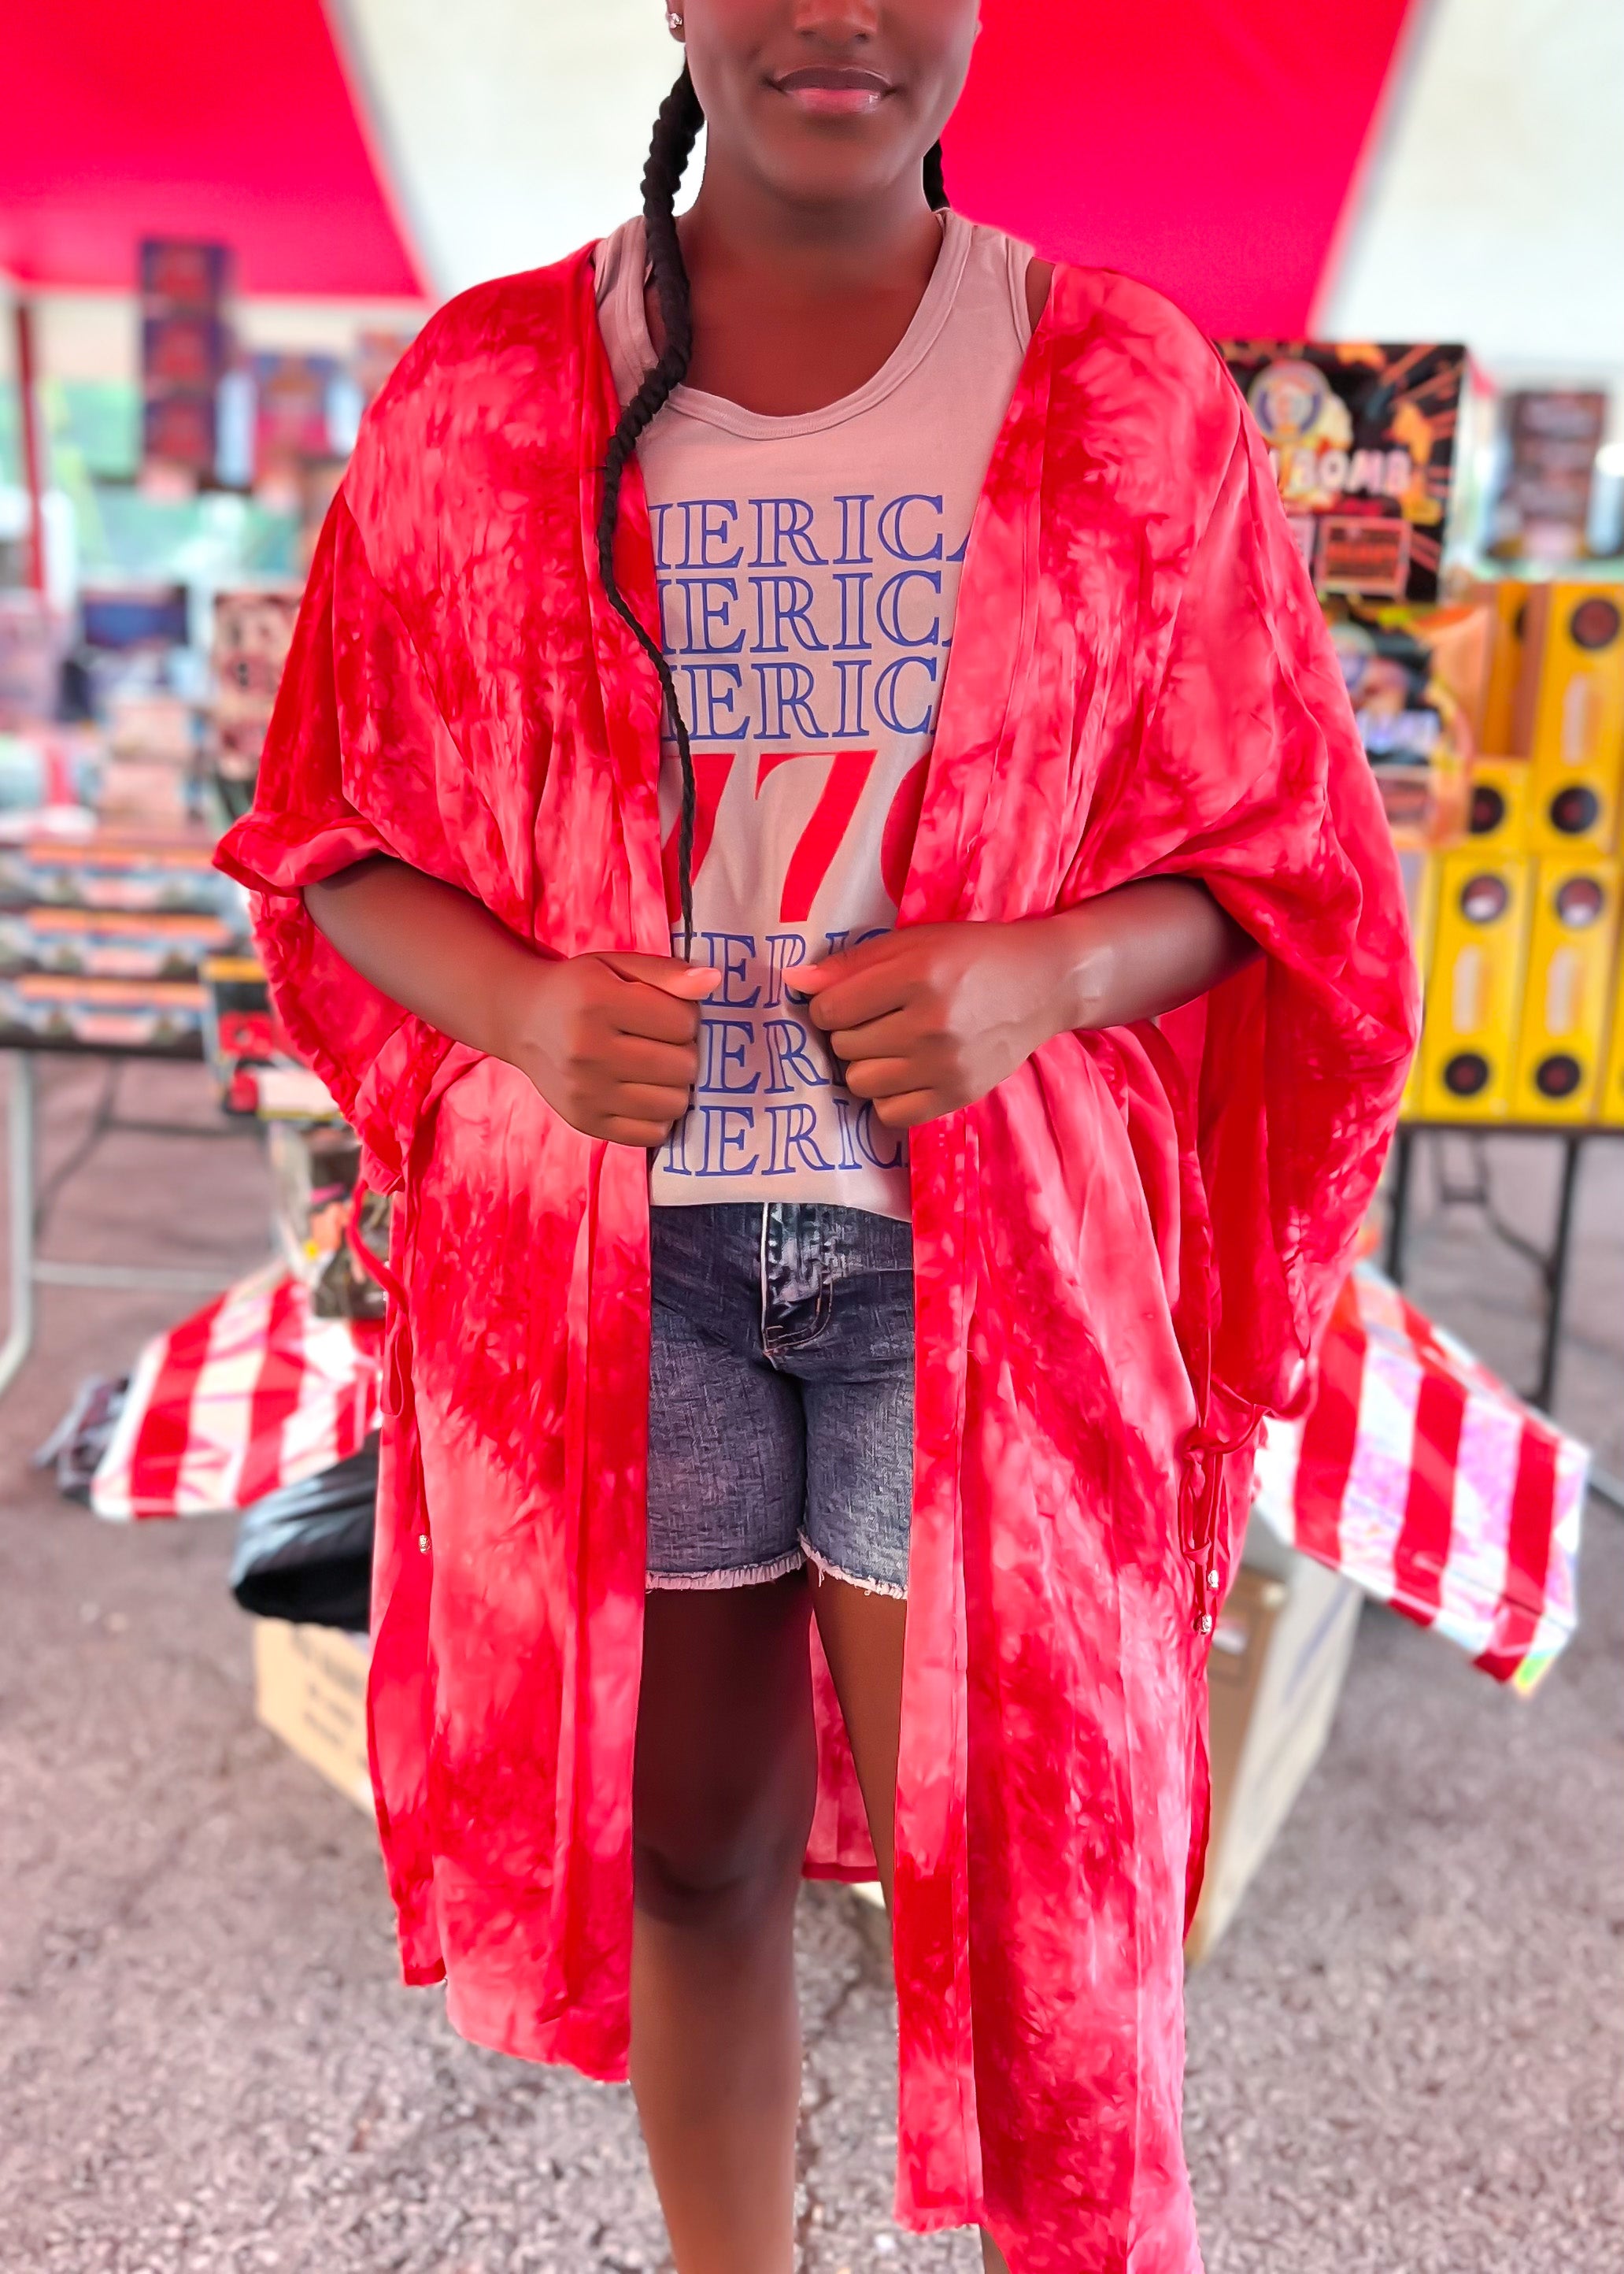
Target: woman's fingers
(636,1008)
(856,999)
(643,1101)
(893,1035)
(911,1107)
(882,1077)
(667,973)
(621,1130)
(638,1058)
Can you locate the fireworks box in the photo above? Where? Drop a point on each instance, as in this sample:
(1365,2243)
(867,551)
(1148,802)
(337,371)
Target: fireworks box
(1474,993)
(103,943)
(1501,804)
(186,348)
(253,631)
(1420,872)
(1363,440)
(294,399)
(102,938)
(131,872)
(1570,715)
(45,1010)
(1572,946)
(1402,668)
(1610,1104)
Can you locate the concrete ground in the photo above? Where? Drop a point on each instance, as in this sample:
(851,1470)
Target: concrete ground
(1405,2058)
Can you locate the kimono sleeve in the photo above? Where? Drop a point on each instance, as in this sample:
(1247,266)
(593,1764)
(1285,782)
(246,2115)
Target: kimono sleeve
(1295,1067)
(352,766)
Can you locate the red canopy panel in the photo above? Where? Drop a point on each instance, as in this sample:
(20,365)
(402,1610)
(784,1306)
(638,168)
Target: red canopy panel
(1208,146)
(192,118)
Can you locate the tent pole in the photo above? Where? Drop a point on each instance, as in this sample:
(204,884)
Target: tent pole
(30,425)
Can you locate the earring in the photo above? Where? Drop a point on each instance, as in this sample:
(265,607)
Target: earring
(673,23)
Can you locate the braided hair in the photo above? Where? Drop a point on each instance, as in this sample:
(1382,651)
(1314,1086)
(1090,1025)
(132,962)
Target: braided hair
(676,129)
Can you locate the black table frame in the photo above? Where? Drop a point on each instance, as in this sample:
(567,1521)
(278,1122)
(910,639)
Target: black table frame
(1552,1265)
(29,1203)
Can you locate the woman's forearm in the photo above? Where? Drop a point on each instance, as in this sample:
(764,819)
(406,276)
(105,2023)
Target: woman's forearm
(608,1038)
(427,947)
(1141,950)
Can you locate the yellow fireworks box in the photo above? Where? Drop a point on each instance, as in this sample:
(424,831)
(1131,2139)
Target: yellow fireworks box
(1474,993)
(1610,1101)
(1571,714)
(1572,945)
(1419,870)
(1502,806)
(1496,728)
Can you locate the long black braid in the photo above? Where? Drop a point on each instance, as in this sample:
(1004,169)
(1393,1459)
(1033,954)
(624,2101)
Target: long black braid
(676,129)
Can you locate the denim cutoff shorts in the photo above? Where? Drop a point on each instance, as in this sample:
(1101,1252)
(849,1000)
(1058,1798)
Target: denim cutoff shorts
(780,1395)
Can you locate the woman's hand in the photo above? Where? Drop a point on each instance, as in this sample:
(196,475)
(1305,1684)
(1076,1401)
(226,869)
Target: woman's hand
(611,1041)
(932,1016)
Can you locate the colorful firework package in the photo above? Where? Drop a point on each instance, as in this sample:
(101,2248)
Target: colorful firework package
(1415,677)
(1363,440)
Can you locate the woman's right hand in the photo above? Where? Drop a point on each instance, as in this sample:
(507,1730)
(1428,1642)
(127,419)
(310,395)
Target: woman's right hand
(610,1040)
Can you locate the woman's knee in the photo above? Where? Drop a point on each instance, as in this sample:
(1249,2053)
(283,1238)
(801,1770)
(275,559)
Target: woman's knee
(719,1878)
(727,1775)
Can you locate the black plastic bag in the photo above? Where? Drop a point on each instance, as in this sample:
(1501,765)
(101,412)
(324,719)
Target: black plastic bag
(305,1553)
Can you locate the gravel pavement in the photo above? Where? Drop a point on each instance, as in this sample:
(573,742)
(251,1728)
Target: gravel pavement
(1406,2058)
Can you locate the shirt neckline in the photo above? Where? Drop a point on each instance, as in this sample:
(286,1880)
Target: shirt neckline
(910,351)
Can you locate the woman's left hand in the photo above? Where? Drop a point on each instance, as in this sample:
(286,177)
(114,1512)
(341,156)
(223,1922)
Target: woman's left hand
(932,1016)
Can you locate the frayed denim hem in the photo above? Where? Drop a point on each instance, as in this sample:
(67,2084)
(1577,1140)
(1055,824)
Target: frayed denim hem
(828,1571)
(751,1575)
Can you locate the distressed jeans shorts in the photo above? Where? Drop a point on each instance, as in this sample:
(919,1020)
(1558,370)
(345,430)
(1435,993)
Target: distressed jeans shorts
(780,1395)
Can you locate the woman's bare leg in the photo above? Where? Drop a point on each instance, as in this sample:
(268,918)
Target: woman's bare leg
(723,1795)
(863,1635)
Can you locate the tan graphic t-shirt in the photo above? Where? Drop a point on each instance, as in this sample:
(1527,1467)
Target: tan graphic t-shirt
(809,568)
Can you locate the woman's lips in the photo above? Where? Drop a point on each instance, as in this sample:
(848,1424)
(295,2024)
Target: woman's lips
(827,91)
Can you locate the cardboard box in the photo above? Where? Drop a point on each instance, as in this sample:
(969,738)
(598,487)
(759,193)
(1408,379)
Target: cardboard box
(1572,949)
(1281,1650)
(1574,705)
(309,1690)
(1474,992)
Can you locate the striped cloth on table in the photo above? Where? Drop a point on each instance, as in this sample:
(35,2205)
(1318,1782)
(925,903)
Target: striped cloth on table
(1420,1476)
(249,1393)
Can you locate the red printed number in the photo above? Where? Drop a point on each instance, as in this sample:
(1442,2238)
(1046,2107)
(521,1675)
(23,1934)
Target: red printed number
(711,769)
(830,818)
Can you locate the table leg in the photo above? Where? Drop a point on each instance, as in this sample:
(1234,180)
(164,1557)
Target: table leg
(1556,1274)
(20,1182)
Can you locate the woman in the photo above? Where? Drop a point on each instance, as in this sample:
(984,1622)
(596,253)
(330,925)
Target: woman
(972,1274)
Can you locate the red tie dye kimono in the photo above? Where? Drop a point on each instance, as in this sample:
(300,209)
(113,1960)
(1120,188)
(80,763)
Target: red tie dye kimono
(1123,1254)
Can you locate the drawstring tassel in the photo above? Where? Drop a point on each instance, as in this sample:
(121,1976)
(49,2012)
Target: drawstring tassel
(1200,1499)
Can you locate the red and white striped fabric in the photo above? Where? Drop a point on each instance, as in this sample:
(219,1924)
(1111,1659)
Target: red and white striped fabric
(250,1394)
(1419,1475)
